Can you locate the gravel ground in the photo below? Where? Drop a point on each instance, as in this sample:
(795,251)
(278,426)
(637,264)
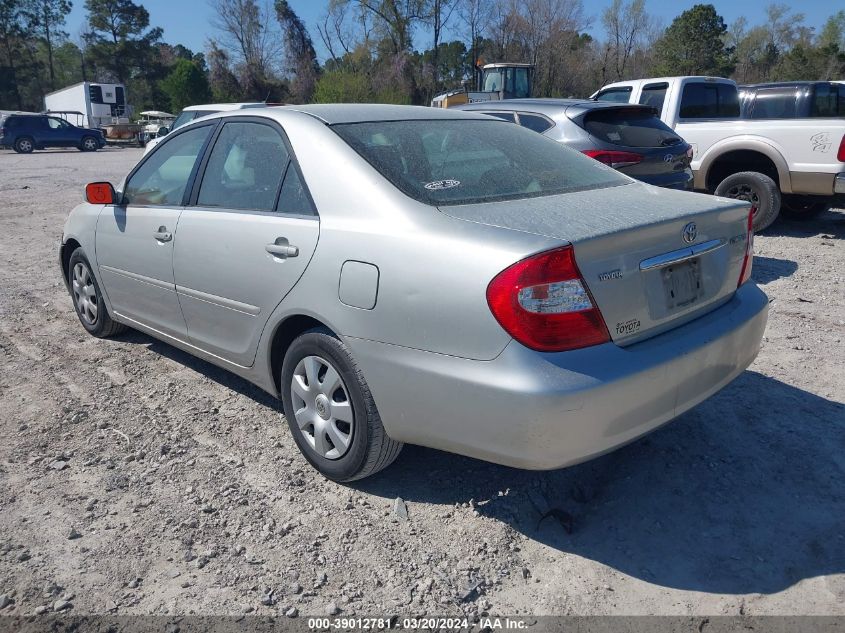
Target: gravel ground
(135,479)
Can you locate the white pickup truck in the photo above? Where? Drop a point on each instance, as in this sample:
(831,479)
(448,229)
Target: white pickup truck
(797,165)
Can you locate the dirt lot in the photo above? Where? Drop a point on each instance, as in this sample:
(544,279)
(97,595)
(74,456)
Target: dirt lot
(136,479)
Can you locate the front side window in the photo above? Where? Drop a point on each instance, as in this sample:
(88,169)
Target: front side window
(245,168)
(615,95)
(57,124)
(446,162)
(774,103)
(163,177)
(709,101)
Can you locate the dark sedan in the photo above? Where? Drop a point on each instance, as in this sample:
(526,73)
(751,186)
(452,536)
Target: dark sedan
(630,138)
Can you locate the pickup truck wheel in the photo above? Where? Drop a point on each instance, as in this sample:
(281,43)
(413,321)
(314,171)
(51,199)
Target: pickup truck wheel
(89,144)
(804,207)
(330,411)
(24,145)
(759,190)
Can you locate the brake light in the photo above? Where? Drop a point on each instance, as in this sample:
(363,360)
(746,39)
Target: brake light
(748,260)
(613,158)
(543,302)
(840,155)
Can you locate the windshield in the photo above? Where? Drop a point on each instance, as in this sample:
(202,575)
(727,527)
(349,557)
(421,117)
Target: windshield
(186,116)
(444,162)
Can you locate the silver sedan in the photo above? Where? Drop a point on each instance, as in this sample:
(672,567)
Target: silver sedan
(398,274)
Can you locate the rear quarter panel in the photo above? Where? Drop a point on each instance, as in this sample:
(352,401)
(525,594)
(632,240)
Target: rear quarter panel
(433,270)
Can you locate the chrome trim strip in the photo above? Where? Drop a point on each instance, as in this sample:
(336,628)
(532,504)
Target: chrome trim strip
(223,302)
(166,285)
(681,255)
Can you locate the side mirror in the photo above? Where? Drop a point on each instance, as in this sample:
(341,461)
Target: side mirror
(100,193)
(163,130)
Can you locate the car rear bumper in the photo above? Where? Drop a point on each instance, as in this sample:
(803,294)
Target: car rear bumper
(682,180)
(542,411)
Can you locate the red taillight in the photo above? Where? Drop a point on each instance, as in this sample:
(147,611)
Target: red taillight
(747,261)
(543,302)
(613,158)
(840,155)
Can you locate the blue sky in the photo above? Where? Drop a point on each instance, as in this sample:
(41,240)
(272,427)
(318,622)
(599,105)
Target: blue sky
(187,21)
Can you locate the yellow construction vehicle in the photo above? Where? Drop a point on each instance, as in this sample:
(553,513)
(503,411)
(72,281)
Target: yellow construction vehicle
(498,81)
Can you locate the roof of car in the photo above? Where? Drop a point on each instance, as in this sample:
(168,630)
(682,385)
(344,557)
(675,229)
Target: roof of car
(223,107)
(545,106)
(362,112)
(783,84)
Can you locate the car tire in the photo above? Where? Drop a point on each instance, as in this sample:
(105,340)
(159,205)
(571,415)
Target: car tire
(88,144)
(332,416)
(87,298)
(24,145)
(756,188)
(798,207)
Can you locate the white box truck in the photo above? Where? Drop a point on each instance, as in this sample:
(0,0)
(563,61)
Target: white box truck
(99,104)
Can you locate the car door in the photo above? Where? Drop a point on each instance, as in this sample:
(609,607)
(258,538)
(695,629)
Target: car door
(61,133)
(245,240)
(134,240)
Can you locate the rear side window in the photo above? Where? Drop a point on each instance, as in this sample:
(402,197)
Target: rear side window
(294,199)
(615,95)
(630,127)
(446,162)
(654,95)
(828,101)
(774,103)
(245,168)
(709,101)
(535,122)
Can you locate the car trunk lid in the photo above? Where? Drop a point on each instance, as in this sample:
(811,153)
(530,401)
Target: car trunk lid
(652,258)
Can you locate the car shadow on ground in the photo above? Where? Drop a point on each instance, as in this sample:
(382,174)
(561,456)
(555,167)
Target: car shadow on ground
(830,223)
(743,494)
(765,270)
(221,376)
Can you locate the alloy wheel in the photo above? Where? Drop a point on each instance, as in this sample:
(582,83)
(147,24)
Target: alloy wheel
(85,293)
(322,408)
(25,145)
(90,144)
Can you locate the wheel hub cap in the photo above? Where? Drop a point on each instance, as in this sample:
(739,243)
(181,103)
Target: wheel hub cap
(84,293)
(321,407)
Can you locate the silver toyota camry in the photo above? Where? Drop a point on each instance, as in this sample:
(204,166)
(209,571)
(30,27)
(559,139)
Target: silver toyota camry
(400,274)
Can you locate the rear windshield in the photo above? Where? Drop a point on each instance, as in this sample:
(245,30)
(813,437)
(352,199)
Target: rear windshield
(444,162)
(629,127)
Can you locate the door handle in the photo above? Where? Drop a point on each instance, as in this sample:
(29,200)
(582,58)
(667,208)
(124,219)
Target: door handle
(163,235)
(282,249)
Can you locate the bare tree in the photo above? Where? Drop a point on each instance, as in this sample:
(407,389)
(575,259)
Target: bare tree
(475,16)
(345,27)
(252,39)
(440,13)
(299,51)
(626,26)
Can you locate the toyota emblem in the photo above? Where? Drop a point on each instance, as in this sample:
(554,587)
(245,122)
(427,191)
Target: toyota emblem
(690,232)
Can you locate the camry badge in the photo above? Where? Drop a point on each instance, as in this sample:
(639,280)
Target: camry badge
(690,232)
